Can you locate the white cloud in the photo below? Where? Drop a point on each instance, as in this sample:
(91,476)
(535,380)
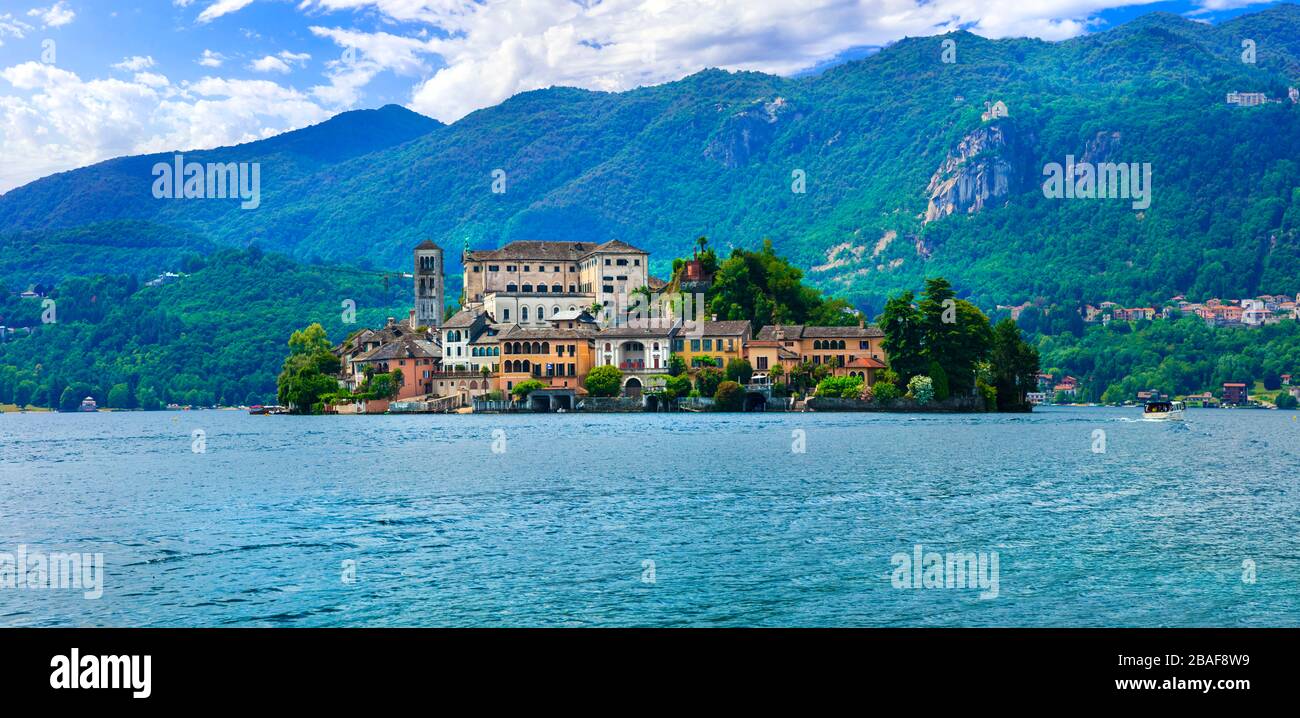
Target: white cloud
(56,15)
(135,63)
(11,26)
(211,59)
(221,7)
(68,122)
(489,50)
(281,62)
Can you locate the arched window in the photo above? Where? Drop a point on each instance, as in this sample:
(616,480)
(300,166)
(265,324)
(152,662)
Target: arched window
(572,308)
(523,314)
(541,313)
(537,347)
(541,289)
(512,287)
(528,287)
(546,347)
(557,288)
(505,315)
(526,366)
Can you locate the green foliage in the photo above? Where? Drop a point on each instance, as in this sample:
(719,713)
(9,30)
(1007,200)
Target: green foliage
(526,387)
(71,397)
(840,387)
(307,375)
(676,365)
(729,396)
(885,392)
(765,288)
(678,385)
(939,380)
(215,336)
(604,381)
(739,371)
(381,385)
(708,379)
(1176,357)
(147,399)
(1014,366)
(1286,401)
(120,397)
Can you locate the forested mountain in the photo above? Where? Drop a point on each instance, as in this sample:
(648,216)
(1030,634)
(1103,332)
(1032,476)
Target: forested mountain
(714,154)
(902,176)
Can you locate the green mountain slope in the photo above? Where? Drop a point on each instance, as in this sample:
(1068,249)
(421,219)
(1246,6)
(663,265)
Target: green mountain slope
(715,153)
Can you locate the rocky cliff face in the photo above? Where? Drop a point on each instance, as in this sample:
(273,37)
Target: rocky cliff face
(981,170)
(746,131)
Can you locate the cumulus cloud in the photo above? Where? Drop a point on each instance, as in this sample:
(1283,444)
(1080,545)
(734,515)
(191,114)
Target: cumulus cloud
(486,51)
(69,122)
(135,63)
(462,55)
(211,59)
(57,15)
(282,62)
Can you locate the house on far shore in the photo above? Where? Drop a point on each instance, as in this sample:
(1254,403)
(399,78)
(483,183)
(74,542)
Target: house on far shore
(1202,401)
(1234,393)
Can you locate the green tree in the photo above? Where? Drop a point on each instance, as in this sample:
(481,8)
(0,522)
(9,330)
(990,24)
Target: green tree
(904,341)
(939,380)
(708,379)
(739,371)
(676,364)
(604,381)
(678,385)
(120,397)
(1014,365)
(146,398)
(729,396)
(526,387)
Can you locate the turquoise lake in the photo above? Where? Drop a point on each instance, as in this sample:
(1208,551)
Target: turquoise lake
(655,519)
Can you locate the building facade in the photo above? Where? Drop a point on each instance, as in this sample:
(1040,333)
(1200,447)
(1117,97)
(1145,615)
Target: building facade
(428,285)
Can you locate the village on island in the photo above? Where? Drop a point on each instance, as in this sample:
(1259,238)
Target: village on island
(580,326)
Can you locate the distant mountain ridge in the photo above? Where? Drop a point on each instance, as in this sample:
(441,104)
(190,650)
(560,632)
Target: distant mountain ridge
(718,153)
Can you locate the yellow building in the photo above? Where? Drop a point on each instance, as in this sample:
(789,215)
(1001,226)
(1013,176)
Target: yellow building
(721,341)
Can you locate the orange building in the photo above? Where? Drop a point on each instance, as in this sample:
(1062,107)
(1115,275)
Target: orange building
(559,356)
(416,358)
(849,351)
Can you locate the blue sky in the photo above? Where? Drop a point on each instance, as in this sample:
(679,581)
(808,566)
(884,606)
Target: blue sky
(87,80)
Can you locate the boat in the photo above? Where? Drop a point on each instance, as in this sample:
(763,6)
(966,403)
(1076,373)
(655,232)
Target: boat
(88,404)
(1164,411)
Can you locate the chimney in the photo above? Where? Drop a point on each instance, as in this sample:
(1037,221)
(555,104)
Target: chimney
(391,321)
(713,317)
(862,322)
(412,319)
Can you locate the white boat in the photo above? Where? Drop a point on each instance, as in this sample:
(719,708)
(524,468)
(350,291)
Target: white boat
(1164,411)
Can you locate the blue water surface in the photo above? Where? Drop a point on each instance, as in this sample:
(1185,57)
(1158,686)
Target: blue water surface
(655,519)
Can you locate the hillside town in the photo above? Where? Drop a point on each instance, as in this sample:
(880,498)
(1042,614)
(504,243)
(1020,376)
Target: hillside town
(1253,312)
(542,316)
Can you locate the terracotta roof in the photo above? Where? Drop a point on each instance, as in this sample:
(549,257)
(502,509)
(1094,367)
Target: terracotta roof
(726,328)
(518,333)
(427,244)
(405,348)
(549,251)
(865,363)
(800,331)
(462,319)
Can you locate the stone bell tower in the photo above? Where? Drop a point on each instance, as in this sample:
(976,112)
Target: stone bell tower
(428,285)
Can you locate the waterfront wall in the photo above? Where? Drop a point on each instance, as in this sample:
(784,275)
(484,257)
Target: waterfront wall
(949,405)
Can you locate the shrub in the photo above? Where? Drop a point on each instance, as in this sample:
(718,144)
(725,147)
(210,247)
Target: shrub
(604,381)
(884,393)
(921,389)
(840,387)
(1286,401)
(729,397)
(524,388)
(708,380)
(679,385)
(939,378)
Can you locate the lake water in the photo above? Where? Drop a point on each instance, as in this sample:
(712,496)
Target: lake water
(656,519)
